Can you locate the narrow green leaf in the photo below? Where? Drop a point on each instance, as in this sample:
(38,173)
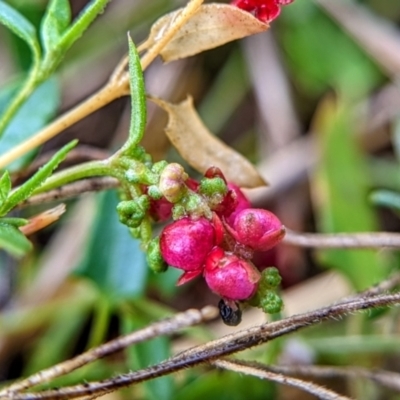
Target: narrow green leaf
(17,222)
(57,342)
(85,18)
(114,260)
(340,188)
(21,27)
(24,191)
(5,187)
(149,353)
(54,23)
(13,240)
(138,99)
(33,115)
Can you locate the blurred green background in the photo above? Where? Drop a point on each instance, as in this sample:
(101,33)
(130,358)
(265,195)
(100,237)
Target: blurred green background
(314,102)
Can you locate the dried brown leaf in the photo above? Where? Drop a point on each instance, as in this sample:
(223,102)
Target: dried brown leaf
(212,26)
(42,220)
(201,149)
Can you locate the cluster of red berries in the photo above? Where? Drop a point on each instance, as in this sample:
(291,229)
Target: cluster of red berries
(220,246)
(264,10)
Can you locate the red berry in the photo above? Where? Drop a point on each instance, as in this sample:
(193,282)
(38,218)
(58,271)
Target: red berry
(241,202)
(230,276)
(257,228)
(185,243)
(264,10)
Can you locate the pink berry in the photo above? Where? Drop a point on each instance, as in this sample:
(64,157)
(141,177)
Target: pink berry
(230,276)
(257,228)
(185,243)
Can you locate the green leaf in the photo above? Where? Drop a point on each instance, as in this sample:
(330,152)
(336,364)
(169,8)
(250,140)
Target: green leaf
(13,240)
(21,27)
(24,191)
(59,340)
(55,22)
(228,385)
(149,353)
(34,114)
(17,222)
(114,260)
(5,187)
(85,18)
(313,58)
(340,188)
(138,99)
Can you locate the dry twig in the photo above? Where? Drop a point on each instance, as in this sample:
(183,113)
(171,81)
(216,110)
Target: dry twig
(228,344)
(261,371)
(165,327)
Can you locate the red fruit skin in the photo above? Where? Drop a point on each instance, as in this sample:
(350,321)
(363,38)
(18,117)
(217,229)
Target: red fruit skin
(229,276)
(264,10)
(258,229)
(160,210)
(185,243)
(187,276)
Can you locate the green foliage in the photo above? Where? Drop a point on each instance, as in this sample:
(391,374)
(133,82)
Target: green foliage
(54,23)
(21,27)
(33,115)
(25,190)
(223,385)
(149,353)
(113,260)
(138,99)
(13,241)
(341,189)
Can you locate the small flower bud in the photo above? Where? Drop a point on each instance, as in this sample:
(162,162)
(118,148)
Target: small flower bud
(257,228)
(172,182)
(230,276)
(270,278)
(271,303)
(132,212)
(185,243)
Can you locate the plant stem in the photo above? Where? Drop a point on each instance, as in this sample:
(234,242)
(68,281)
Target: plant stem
(114,89)
(29,86)
(85,170)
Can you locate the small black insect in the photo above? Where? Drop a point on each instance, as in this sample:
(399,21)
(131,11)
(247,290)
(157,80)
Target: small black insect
(230,312)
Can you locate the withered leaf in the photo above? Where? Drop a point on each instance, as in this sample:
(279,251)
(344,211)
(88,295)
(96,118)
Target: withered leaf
(201,149)
(212,26)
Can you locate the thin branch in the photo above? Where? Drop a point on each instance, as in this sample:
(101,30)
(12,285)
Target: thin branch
(261,371)
(71,190)
(76,155)
(387,379)
(165,327)
(382,287)
(365,240)
(224,346)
